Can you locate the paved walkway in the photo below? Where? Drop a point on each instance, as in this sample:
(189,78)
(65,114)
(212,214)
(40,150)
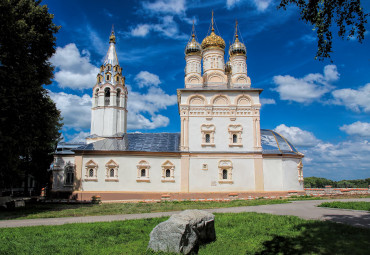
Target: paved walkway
(304,209)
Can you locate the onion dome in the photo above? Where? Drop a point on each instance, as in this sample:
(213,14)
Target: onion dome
(193,47)
(237,47)
(112,38)
(213,40)
(228,67)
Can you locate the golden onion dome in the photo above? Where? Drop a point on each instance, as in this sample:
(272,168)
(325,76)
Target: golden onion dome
(193,47)
(112,38)
(237,47)
(213,40)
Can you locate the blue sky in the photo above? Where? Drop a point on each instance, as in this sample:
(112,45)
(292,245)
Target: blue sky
(321,107)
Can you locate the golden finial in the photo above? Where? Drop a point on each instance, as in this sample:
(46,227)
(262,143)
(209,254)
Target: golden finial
(193,30)
(236,31)
(112,37)
(212,23)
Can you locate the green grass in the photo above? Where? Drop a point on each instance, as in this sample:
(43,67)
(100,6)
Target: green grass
(242,233)
(365,206)
(75,210)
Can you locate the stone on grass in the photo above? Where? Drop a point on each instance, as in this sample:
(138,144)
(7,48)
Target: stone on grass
(183,232)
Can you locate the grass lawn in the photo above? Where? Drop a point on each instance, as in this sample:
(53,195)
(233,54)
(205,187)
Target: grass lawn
(242,233)
(74,210)
(365,206)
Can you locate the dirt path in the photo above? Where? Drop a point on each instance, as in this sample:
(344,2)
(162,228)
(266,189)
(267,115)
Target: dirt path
(304,209)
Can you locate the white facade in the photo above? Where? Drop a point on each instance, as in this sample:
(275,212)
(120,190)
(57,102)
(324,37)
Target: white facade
(221,147)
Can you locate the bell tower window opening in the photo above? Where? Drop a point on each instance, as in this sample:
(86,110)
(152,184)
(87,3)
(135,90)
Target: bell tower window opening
(118,98)
(96,97)
(106,96)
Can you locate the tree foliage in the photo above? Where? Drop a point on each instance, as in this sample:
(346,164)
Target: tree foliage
(348,15)
(316,182)
(29,119)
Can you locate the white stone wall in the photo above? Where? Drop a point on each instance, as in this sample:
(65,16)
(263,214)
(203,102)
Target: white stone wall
(58,173)
(127,174)
(208,180)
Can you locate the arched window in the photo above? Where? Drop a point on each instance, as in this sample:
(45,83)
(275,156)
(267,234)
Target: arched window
(168,173)
(235,138)
(143,171)
(224,174)
(96,95)
(208,138)
(91,172)
(69,175)
(111,172)
(118,98)
(106,96)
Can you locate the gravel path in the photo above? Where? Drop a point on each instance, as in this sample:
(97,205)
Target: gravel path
(304,209)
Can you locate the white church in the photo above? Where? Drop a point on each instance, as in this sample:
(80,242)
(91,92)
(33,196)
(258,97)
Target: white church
(221,151)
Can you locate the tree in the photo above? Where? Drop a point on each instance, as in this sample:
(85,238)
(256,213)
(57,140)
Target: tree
(29,119)
(348,15)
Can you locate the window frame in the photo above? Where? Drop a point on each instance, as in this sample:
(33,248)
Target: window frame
(208,129)
(143,165)
(91,165)
(227,165)
(168,165)
(235,129)
(69,169)
(111,164)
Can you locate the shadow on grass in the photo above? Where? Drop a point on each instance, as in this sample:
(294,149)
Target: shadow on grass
(31,209)
(320,238)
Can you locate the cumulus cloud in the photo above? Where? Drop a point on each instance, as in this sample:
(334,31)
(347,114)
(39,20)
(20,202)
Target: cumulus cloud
(355,100)
(358,128)
(260,5)
(265,101)
(73,69)
(76,110)
(297,136)
(307,89)
(145,79)
(342,160)
(141,30)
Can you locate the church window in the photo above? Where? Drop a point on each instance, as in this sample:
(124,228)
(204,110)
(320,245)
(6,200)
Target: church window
(208,138)
(117,78)
(235,135)
(168,171)
(224,174)
(69,175)
(225,171)
(96,97)
(111,171)
(235,138)
(143,171)
(118,98)
(106,96)
(208,133)
(91,171)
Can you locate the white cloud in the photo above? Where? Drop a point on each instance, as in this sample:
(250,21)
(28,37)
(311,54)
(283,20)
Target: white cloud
(146,79)
(261,5)
(166,6)
(307,89)
(167,27)
(149,103)
(79,137)
(297,136)
(76,110)
(267,101)
(141,30)
(358,128)
(355,100)
(342,160)
(73,69)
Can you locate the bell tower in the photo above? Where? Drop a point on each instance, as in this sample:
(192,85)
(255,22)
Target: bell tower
(109,104)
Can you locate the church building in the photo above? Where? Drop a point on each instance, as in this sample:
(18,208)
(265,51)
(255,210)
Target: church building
(221,151)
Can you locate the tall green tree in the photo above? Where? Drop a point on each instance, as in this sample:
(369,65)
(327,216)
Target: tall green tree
(323,15)
(29,119)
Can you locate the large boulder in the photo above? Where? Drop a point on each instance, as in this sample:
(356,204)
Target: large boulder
(183,232)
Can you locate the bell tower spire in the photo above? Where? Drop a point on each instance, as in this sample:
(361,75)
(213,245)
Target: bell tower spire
(109,106)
